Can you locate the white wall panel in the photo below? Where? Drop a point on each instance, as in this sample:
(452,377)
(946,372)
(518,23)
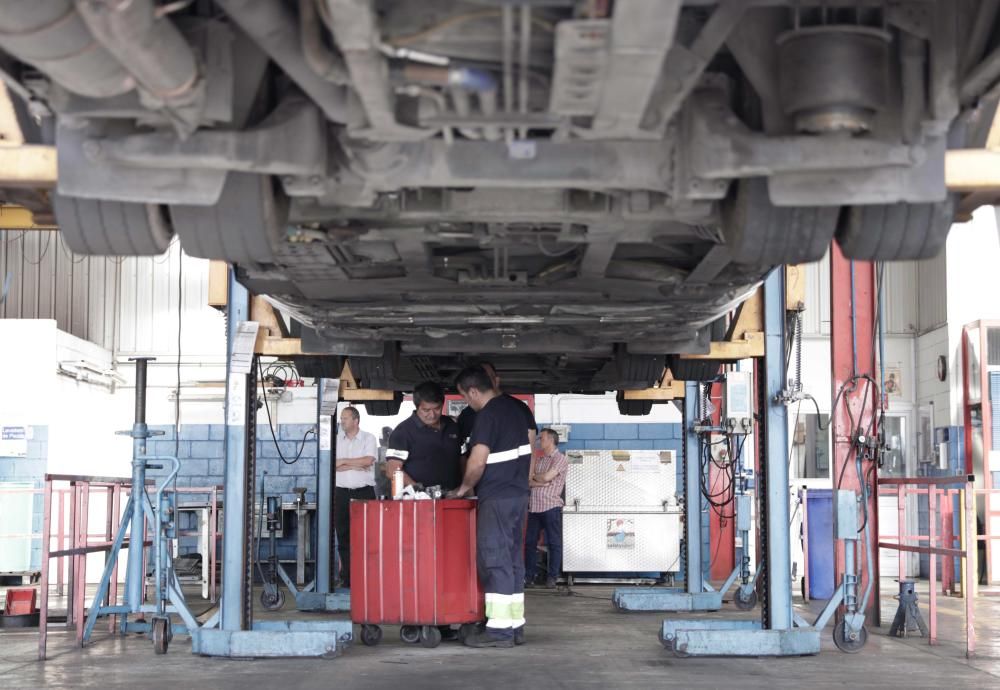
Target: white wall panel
(816,318)
(148,309)
(899,291)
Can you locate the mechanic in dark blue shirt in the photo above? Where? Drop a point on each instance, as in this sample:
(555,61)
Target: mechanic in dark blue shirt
(426,446)
(497,470)
(467,418)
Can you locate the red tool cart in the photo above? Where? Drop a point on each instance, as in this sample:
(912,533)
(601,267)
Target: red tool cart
(413,564)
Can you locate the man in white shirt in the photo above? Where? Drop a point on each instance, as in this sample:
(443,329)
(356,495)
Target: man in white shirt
(355,480)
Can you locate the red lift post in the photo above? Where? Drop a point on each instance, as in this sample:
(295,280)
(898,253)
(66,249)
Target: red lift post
(857,395)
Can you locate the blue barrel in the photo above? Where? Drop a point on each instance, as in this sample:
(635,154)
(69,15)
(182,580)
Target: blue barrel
(819,510)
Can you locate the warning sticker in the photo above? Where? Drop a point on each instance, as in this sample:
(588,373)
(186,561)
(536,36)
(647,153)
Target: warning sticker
(621,533)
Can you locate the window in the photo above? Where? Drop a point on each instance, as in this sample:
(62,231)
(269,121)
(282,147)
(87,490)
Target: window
(894,459)
(811,446)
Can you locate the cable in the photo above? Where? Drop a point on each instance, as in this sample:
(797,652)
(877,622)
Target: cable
(42,252)
(270,425)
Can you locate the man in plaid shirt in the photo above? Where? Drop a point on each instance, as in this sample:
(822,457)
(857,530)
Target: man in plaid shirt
(545,508)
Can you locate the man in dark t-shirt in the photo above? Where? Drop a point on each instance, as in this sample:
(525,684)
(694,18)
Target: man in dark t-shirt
(497,470)
(426,446)
(467,418)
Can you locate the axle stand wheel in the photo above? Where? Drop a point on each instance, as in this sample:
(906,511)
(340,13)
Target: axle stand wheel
(272,601)
(161,635)
(850,645)
(410,634)
(745,603)
(371,635)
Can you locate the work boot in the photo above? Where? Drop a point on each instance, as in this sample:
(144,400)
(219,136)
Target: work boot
(550,583)
(530,584)
(485,638)
(519,635)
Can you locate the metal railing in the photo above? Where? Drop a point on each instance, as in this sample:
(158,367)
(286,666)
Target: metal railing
(72,496)
(933,543)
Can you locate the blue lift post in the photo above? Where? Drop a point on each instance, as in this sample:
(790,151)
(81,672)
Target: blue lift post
(321,596)
(234,633)
(697,594)
(780,632)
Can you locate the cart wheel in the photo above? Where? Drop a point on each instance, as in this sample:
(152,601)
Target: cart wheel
(430,636)
(161,635)
(371,635)
(667,644)
(410,634)
(747,603)
(849,645)
(272,601)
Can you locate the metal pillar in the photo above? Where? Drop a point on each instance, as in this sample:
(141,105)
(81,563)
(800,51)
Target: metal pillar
(237,635)
(324,495)
(140,432)
(234,613)
(778,560)
(695,579)
(856,386)
(323,597)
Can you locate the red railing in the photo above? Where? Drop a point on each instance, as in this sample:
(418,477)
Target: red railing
(935,542)
(74,494)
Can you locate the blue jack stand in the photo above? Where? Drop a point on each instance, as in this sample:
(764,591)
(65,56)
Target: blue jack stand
(159,514)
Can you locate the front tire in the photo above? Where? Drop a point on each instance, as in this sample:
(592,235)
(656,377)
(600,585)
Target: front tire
(112,228)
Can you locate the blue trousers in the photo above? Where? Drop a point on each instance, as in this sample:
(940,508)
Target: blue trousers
(500,561)
(549,522)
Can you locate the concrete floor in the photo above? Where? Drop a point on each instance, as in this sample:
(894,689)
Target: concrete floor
(574,641)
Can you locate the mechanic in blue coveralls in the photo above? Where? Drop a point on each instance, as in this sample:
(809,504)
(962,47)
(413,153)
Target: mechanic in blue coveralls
(497,470)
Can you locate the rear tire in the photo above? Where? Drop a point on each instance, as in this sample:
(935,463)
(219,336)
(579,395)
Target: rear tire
(376,372)
(244,226)
(693,369)
(319,367)
(758,233)
(385,408)
(895,232)
(633,408)
(112,228)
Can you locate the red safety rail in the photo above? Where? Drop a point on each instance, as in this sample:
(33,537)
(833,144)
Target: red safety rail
(936,488)
(977,415)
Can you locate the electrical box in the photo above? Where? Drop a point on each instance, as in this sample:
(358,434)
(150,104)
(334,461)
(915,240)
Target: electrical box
(845,517)
(743,513)
(737,410)
(561,429)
